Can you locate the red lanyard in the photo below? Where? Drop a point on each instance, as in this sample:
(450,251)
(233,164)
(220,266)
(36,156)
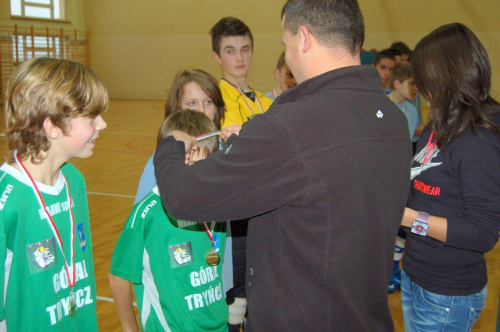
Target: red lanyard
(52,224)
(429,148)
(211,231)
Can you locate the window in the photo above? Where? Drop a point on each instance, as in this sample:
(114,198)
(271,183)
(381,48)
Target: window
(44,9)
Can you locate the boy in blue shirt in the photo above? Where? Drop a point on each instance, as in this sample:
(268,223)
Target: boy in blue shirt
(403,90)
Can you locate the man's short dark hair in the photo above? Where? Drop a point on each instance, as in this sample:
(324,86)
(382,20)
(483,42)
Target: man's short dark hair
(401,47)
(385,54)
(400,73)
(228,26)
(395,52)
(334,23)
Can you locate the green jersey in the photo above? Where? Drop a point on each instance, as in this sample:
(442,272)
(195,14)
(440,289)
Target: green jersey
(34,279)
(175,288)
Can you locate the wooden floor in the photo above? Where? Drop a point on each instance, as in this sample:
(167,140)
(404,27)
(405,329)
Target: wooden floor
(112,174)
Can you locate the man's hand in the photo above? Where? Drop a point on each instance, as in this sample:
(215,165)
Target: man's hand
(189,143)
(229,130)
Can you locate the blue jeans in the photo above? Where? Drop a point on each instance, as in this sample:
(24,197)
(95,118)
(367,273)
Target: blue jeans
(425,311)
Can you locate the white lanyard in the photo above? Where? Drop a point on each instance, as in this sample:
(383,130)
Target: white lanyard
(210,232)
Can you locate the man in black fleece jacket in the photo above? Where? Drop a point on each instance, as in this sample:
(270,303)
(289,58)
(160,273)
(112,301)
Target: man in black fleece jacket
(323,175)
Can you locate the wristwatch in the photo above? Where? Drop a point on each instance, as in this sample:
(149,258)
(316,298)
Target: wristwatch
(420,226)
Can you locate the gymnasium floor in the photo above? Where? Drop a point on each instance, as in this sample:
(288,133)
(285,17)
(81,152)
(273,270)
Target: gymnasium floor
(112,174)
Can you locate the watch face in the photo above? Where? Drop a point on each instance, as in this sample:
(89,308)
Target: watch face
(419,228)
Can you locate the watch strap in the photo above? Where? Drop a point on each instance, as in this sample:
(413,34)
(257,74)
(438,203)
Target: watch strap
(423,217)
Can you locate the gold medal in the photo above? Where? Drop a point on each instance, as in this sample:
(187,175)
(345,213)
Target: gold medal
(212,258)
(72,304)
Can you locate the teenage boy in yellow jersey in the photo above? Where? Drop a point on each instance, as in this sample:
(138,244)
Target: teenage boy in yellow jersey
(232,45)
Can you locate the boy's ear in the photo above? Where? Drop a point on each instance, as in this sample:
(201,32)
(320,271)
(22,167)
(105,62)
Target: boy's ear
(51,130)
(397,84)
(216,57)
(276,74)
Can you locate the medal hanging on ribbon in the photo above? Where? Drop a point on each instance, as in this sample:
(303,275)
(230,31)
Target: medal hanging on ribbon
(72,307)
(212,258)
(72,303)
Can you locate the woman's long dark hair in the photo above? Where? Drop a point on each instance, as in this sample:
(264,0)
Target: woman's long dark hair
(452,72)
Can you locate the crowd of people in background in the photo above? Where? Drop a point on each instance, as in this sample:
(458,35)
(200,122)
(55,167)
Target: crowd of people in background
(289,230)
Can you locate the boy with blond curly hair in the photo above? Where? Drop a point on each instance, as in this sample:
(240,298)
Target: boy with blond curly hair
(53,113)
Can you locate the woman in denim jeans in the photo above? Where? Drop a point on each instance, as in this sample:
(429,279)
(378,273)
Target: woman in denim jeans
(453,213)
